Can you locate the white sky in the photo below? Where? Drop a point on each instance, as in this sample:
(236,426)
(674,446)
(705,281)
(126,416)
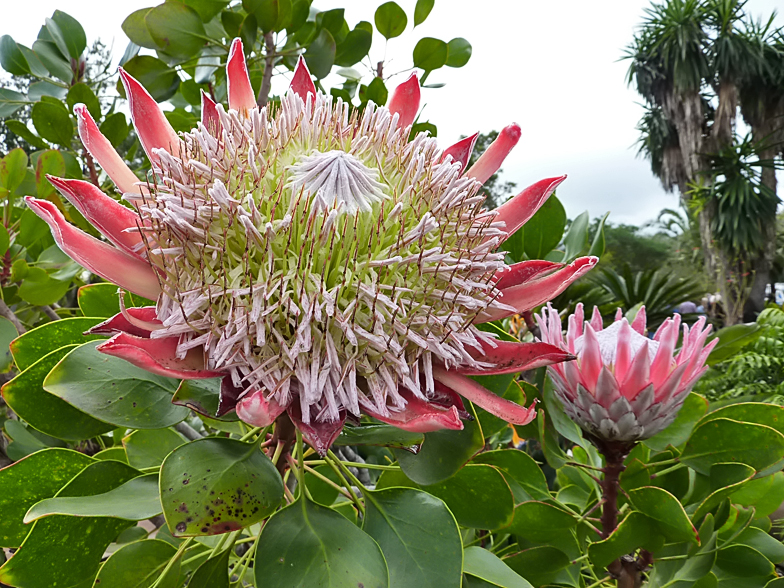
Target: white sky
(552,67)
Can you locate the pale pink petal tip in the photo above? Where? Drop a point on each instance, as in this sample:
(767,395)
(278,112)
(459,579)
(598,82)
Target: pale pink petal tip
(151,125)
(302,83)
(107,215)
(254,409)
(405,101)
(104,152)
(461,151)
(128,272)
(241,96)
(420,416)
(491,160)
(157,356)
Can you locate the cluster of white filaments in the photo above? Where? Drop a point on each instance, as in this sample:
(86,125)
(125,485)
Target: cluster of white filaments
(320,257)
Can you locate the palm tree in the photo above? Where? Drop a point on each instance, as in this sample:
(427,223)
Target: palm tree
(694,61)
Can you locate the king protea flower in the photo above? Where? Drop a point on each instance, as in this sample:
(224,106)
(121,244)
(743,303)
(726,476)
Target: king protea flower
(313,257)
(623,386)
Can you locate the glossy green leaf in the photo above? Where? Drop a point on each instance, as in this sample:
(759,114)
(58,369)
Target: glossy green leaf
(177,29)
(763,542)
(113,390)
(136,29)
(320,55)
(633,532)
(11,101)
(764,494)
(8,333)
(576,238)
(13,168)
(417,535)
(725,478)
(686,564)
(135,500)
(597,246)
(207,9)
(693,409)
(543,231)
(34,344)
(148,448)
(430,54)
(138,565)
(661,506)
(306,544)
(523,474)
(744,561)
(442,453)
(46,412)
(115,128)
(20,130)
(72,33)
(384,435)
(214,485)
(390,20)
(11,58)
(115,453)
(48,53)
(50,162)
(539,565)
(483,564)
(39,289)
(376,91)
(422,11)
(463,493)
(723,440)
(82,94)
(160,80)
(541,521)
(213,573)
(37,476)
(459,52)
(732,340)
(102,300)
(353,48)
(39,561)
(760,413)
(53,123)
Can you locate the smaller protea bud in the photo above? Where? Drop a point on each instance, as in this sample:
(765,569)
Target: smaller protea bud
(625,387)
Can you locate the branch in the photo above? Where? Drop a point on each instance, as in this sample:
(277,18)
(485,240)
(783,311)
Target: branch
(266,81)
(9,314)
(91,167)
(49,311)
(187,431)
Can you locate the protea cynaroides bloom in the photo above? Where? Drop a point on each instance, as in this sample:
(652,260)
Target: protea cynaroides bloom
(624,387)
(313,257)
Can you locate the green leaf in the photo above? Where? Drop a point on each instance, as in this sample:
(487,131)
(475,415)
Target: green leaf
(725,478)
(148,448)
(463,494)
(11,58)
(160,80)
(539,565)
(732,340)
(138,565)
(136,29)
(422,11)
(693,409)
(115,453)
(760,413)
(430,54)
(37,68)
(483,564)
(52,122)
(576,238)
(8,333)
(377,92)
(39,561)
(102,300)
(384,435)
(442,453)
(459,52)
(767,545)
(20,129)
(661,506)
(744,561)
(177,29)
(207,9)
(272,15)
(688,563)
(543,232)
(353,48)
(113,390)
(39,289)
(30,480)
(13,168)
(417,535)
(320,55)
(10,102)
(215,485)
(48,53)
(135,500)
(50,162)
(633,532)
(34,344)
(213,573)
(523,474)
(46,412)
(81,93)
(724,440)
(72,34)
(763,493)
(541,521)
(306,544)
(115,128)
(390,20)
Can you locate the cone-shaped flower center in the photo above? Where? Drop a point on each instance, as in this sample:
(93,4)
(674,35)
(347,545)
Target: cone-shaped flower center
(608,342)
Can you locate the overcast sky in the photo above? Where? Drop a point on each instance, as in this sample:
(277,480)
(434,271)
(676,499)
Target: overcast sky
(552,67)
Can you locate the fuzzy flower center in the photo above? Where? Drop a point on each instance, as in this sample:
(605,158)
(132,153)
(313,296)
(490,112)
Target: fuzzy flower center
(322,256)
(608,343)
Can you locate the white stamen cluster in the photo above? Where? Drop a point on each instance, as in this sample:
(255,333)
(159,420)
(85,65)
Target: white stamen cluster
(320,257)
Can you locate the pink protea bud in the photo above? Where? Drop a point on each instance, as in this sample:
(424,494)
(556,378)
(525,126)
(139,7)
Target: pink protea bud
(624,387)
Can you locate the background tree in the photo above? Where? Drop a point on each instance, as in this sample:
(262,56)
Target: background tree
(694,62)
